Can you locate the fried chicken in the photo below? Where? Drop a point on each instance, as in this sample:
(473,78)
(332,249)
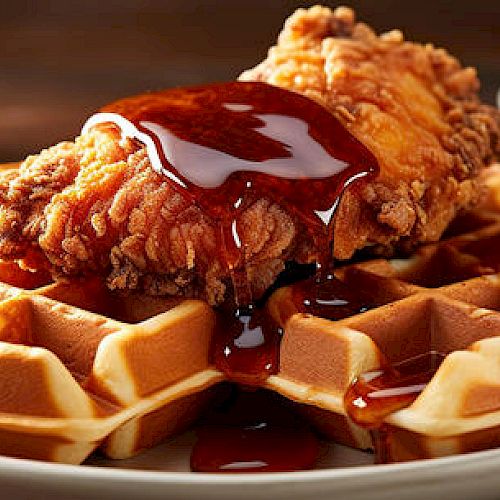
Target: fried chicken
(414,106)
(95,205)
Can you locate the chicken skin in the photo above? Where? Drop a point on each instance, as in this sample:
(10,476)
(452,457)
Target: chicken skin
(414,107)
(96,205)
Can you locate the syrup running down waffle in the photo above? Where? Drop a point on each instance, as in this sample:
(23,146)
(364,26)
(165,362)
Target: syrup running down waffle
(82,368)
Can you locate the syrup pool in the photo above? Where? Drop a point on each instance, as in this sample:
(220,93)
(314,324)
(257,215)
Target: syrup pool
(254,432)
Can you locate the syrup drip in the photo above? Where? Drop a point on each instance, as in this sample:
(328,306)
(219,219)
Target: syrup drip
(375,395)
(254,433)
(225,146)
(486,251)
(327,297)
(246,346)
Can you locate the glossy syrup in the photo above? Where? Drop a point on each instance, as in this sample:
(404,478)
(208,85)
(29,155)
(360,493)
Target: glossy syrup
(325,296)
(254,432)
(485,250)
(225,146)
(375,395)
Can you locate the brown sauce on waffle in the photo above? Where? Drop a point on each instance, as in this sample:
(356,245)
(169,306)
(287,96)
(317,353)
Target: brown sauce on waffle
(254,432)
(375,395)
(327,297)
(225,146)
(485,251)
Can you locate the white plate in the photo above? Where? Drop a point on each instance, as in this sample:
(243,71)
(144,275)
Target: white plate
(346,475)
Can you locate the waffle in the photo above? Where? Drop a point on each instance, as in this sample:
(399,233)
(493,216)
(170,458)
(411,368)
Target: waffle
(445,298)
(81,368)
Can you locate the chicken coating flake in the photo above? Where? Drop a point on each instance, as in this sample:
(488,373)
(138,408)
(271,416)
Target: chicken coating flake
(96,205)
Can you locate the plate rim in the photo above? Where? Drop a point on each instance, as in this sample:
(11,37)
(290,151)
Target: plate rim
(455,464)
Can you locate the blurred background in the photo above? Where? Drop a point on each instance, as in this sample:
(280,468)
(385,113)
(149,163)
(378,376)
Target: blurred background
(62,59)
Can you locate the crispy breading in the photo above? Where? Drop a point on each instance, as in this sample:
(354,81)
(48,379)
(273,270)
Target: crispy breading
(414,106)
(96,205)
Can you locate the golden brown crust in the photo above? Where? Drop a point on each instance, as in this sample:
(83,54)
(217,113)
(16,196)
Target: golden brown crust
(97,205)
(414,106)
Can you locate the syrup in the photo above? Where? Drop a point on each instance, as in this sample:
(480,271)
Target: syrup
(375,395)
(485,250)
(254,432)
(246,347)
(223,147)
(327,297)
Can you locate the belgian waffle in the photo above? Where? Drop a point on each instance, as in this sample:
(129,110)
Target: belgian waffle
(81,368)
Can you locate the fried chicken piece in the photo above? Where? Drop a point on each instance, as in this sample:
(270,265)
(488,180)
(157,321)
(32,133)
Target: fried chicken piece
(97,206)
(414,106)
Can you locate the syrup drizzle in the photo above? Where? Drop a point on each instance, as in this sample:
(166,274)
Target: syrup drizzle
(327,297)
(254,432)
(225,146)
(375,395)
(485,250)
(246,345)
